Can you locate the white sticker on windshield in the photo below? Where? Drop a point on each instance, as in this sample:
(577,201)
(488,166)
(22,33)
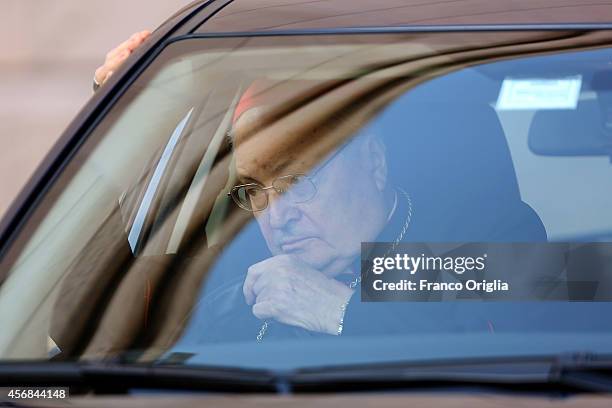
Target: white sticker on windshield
(539,93)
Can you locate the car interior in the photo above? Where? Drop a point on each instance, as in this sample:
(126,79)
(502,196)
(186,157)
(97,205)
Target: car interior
(157,169)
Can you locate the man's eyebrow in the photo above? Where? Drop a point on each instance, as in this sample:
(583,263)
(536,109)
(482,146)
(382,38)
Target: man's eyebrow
(281,164)
(247,179)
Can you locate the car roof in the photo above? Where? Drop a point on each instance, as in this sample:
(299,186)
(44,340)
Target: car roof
(264,15)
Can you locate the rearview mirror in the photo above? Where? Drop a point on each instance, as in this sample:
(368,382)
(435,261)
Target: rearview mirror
(579,132)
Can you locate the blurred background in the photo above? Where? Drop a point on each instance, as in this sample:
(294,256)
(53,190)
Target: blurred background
(49,54)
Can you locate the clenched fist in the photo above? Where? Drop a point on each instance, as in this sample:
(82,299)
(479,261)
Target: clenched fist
(118,55)
(289,291)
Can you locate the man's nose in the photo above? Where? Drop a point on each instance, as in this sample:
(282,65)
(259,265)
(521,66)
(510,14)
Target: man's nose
(281,211)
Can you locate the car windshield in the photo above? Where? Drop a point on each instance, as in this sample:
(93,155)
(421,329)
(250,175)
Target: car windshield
(286,201)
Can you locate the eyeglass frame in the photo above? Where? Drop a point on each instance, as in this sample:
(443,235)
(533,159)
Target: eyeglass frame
(271,186)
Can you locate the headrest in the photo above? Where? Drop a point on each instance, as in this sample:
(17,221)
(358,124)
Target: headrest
(566,132)
(454,161)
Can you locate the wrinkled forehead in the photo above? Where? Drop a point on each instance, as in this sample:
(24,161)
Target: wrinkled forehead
(272,152)
(271,136)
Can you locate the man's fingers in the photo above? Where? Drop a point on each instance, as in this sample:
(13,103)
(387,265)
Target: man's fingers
(113,64)
(263,283)
(247,286)
(264,310)
(254,273)
(143,35)
(101,73)
(118,55)
(270,310)
(258,277)
(124,46)
(267,294)
(110,65)
(129,45)
(137,39)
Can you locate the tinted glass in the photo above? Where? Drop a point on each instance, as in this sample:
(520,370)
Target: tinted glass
(218,211)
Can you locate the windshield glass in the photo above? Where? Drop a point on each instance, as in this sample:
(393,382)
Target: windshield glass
(293,201)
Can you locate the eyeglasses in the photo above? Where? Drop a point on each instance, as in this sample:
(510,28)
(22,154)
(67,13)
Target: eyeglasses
(297,188)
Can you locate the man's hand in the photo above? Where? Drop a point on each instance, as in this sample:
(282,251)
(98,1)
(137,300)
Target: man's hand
(118,55)
(289,291)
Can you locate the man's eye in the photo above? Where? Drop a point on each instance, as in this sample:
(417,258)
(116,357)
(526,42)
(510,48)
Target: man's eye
(252,192)
(297,180)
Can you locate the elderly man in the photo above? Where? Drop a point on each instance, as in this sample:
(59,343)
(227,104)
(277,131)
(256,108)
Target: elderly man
(312,273)
(313,215)
(404,177)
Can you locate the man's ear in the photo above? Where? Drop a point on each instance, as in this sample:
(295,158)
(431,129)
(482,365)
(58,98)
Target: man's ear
(377,153)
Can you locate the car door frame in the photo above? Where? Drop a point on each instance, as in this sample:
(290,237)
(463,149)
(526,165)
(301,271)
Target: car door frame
(87,119)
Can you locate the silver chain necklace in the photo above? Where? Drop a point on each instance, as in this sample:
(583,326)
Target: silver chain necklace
(353,284)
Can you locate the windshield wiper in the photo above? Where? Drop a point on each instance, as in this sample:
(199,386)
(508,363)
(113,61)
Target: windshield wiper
(559,374)
(99,377)
(567,373)
(586,371)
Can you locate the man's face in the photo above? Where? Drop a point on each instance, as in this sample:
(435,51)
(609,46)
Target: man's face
(348,208)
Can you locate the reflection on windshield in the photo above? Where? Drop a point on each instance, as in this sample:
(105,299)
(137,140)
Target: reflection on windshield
(406,177)
(243,214)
